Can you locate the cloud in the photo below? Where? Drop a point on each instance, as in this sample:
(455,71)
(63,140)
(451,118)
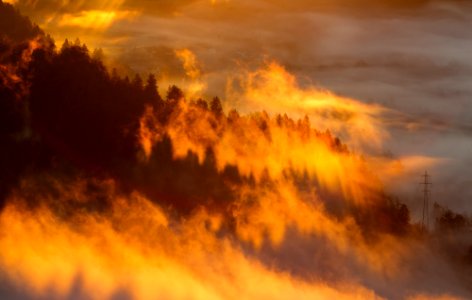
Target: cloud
(409,56)
(160,8)
(94,19)
(54,7)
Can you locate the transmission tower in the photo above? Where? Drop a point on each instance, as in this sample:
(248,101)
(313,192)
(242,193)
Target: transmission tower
(426,197)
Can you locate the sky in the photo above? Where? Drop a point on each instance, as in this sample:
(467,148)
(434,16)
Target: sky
(411,57)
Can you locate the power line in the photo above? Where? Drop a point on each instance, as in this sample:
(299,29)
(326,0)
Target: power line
(426,197)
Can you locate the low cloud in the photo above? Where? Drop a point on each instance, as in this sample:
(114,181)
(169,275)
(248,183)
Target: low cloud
(409,56)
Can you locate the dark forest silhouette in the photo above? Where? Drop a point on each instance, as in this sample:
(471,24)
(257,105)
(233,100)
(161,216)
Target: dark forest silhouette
(62,111)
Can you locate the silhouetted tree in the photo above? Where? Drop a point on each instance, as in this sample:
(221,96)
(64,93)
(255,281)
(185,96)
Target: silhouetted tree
(233,116)
(97,54)
(15,26)
(174,94)
(10,125)
(114,76)
(210,161)
(77,42)
(279,120)
(138,82)
(202,104)
(215,106)
(16,149)
(65,45)
(447,220)
(151,92)
(79,110)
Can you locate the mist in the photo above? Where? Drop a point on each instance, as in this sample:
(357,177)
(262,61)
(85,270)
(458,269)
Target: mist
(227,150)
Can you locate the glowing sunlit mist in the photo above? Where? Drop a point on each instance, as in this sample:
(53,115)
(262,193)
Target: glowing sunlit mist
(94,19)
(257,144)
(273,89)
(137,250)
(196,85)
